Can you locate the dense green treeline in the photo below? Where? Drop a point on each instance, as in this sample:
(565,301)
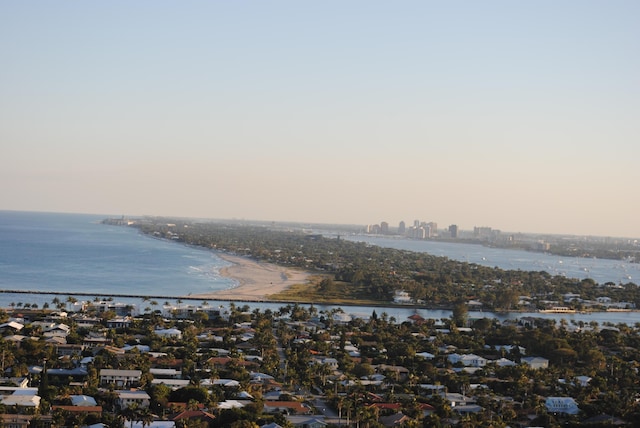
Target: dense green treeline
(378,272)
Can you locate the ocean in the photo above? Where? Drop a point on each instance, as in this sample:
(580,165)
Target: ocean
(76,253)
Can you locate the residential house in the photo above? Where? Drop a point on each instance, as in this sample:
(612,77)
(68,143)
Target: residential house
(288,407)
(84,321)
(119,322)
(172,383)
(119,308)
(138,398)
(169,332)
(93,340)
(166,373)
(64,376)
(417,319)
(311,421)
(504,362)
(10,420)
(399,373)
(397,419)
(68,350)
(332,363)
(83,400)
(154,424)
(466,409)
(565,405)
(24,398)
(193,415)
(426,355)
(570,297)
(583,380)
(82,410)
(13,326)
(120,378)
(468,360)
(231,404)
(402,297)
(455,399)
(60,330)
(536,362)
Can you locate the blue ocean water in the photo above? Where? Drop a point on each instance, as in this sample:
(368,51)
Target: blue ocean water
(75,253)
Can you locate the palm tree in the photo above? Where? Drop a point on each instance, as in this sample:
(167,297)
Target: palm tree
(145,416)
(130,413)
(72,300)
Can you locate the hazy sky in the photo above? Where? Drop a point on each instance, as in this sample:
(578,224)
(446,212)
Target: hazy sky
(521,116)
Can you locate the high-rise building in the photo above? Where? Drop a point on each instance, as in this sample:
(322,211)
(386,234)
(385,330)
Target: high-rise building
(453,230)
(482,232)
(402,228)
(384,228)
(433,229)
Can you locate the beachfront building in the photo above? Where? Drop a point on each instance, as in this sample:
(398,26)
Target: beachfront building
(119,308)
(187,311)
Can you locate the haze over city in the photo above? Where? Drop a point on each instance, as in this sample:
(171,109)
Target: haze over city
(518,116)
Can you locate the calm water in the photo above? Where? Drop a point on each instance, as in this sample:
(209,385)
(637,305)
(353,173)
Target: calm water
(75,253)
(599,270)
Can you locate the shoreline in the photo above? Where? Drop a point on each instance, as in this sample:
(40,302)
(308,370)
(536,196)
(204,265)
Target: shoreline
(256,280)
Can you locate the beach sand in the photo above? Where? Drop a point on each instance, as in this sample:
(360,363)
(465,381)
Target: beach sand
(257,280)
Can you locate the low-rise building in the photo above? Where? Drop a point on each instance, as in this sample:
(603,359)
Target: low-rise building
(565,405)
(138,398)
(536,362)
(120,378)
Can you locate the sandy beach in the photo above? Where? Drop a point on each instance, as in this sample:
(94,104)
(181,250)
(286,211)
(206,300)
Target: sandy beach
(257,280)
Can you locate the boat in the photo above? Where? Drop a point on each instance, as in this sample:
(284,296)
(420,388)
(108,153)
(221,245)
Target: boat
(558,310)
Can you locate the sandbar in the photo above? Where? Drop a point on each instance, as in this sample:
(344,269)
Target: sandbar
(256,280)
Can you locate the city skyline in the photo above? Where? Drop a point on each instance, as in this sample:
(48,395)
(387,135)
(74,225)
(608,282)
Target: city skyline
(523,116)
(452,230)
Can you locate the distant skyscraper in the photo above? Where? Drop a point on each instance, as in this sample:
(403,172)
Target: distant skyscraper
(453,230)
(401,228)
(384,228)
(482,232)
(433,229)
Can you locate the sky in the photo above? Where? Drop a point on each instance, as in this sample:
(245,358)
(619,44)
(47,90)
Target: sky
(520,116)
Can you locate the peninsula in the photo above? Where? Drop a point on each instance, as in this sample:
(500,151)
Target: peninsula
(279,263)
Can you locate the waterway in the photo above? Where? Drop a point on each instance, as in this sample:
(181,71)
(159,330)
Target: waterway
(600,270)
